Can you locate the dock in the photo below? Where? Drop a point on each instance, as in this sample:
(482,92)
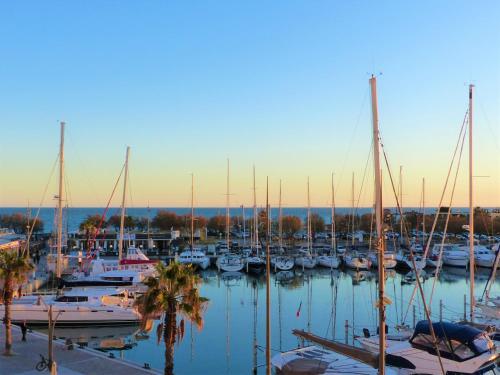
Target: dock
(77,361)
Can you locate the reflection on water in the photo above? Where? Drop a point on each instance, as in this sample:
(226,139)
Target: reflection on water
(317,300)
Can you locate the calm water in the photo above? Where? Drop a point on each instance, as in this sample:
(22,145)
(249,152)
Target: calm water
(224,346)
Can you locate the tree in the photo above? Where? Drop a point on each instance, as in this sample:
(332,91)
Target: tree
(291,225)
(114,221)
(317,224)
(174,292)
(166,220)
(19,223)
(217,224)
(89,227)
(14,271)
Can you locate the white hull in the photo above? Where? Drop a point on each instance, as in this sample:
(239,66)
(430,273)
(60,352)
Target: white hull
(357,263)
(390,261)
(228,263)
(69,314)
(305,262)
(282,263)
(456,261)
(328,261)
(196,258)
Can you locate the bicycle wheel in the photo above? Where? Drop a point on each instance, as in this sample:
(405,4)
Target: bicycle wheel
(42,365)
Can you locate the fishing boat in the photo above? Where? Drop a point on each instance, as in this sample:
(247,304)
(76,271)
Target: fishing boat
(79,307)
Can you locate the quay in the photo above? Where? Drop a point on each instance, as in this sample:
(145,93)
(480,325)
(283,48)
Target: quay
(77,361)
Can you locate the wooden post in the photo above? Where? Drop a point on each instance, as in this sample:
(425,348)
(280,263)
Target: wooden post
(346,333)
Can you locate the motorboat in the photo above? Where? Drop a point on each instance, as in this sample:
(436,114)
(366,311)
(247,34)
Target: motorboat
(95,307)
(195,257)
(230,262)
(105,272)
(462,350)
(456,257)
(357,261)
(483,257)
(282,263)
(435,258)
(329,261)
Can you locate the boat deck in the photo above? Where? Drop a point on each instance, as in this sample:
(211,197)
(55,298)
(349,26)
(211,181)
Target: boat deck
(69,362)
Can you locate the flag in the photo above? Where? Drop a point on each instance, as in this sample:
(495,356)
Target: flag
(298,311)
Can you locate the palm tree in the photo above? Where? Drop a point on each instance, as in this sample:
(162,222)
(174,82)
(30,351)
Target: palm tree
(175,291)
(14,271)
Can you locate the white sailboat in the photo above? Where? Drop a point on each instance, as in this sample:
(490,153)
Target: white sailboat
(281,262)
(305,258)
(331,260)
(254,262)
(193,256)
(229,262)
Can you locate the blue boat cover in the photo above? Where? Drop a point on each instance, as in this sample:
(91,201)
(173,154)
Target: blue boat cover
(450,331)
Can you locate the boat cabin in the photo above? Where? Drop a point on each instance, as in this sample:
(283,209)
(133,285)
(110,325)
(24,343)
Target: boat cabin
(454,341)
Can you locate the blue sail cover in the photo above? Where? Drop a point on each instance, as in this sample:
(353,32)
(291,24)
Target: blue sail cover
(450,331)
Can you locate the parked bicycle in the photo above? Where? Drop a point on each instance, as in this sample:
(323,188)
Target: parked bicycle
(43,364)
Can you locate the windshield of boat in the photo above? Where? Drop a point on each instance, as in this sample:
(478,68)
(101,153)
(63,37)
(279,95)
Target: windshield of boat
(72,299)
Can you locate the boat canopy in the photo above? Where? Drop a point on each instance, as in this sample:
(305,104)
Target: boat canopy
(455,341)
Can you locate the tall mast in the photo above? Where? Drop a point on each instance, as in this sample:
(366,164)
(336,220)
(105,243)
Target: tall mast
(308,219)
(59,203)
(471,209)
(268,287)
(401,203)
(378,216)
(353,210)
(255,216)
(334,239)
(244,228)
(192,212)
(227,207)
(122,215)
(280,224)
(423,211)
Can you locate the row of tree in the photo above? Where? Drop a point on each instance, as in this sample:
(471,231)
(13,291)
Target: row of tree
(291,225)
(19,223)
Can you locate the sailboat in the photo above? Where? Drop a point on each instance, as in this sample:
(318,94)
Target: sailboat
(132,269)
(255,264)
(195,257)
(229,262)
(434,348)
(331,260)
(281,262)
(305,258)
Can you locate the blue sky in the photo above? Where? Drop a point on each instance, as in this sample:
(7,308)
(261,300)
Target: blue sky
(282,85)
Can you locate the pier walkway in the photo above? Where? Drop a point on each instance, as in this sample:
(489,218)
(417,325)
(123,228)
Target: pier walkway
(69,362)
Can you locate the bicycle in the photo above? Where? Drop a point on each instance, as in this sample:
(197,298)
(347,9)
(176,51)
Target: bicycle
(43,364)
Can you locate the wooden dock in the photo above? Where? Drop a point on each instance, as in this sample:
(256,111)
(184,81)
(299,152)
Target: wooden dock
(69,362)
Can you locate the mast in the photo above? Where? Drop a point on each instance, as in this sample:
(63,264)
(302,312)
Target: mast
(471,209)
(423,211)
(59,203)
(192,213)
(378,216)
(122,215)
(308,219)
(268,287)
(244,229)
(401,204)
(353,210)
(227,207)
(334,239)
(255,216)
(280,224)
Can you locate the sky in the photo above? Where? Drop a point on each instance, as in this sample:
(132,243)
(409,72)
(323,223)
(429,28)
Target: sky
(281,85)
